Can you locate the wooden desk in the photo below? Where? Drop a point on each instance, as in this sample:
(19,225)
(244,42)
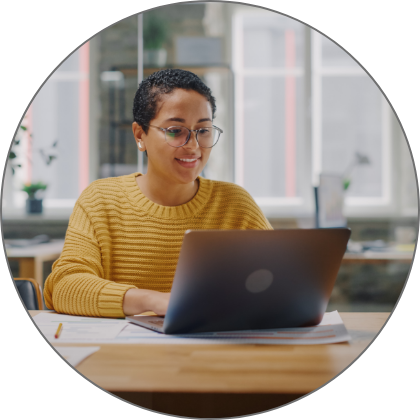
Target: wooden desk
(31,259)
(224,380)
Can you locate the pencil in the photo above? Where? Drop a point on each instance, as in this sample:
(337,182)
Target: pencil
(59,329)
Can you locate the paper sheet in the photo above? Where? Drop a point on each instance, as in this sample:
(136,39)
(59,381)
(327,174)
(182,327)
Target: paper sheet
(97,330)
(330,330)
(78,329)
(75,355)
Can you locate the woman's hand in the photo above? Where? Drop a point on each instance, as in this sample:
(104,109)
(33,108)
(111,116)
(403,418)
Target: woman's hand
(158,302)
(137,301)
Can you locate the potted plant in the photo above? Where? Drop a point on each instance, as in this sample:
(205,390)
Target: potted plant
(154,36)
(34,204)
(48,155)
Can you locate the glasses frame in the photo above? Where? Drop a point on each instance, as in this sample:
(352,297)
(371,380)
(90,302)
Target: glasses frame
(189,135)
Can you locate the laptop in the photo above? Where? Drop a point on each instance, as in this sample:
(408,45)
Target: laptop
(231,280)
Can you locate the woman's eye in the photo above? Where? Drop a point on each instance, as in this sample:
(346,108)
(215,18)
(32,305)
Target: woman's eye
(174,131)
(204,130)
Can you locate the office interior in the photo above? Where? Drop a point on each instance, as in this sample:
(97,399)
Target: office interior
(293,106)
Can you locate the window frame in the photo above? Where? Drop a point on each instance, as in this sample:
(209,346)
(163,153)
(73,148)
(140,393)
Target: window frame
(354,206)
(313,72)
(271,206)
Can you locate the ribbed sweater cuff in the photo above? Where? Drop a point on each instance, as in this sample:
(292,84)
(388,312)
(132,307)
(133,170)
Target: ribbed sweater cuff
(110,303)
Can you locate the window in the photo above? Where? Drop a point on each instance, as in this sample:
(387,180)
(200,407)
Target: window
(55,146)
(351,119)
(303,107)
(268,63)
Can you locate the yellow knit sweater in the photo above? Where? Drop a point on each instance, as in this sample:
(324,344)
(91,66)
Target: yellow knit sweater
(118,239)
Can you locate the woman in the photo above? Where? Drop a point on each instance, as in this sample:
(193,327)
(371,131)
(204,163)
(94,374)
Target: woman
(125,233)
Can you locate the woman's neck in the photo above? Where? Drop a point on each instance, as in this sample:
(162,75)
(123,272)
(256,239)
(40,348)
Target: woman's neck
(166,194)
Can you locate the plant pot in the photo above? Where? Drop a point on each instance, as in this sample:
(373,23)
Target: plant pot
(33,205)
(154,58)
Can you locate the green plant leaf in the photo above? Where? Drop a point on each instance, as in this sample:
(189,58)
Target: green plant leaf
(31,189)
(50,159)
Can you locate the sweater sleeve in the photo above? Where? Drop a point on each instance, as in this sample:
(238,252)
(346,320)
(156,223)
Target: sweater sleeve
(257,218)
(76,285)
(253,216)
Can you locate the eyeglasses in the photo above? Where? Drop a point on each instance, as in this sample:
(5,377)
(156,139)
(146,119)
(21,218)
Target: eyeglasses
(177,136)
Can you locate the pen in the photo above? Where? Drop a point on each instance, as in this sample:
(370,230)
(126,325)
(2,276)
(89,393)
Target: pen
(59,329)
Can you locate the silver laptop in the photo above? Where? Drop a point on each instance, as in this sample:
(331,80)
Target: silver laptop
(230,280)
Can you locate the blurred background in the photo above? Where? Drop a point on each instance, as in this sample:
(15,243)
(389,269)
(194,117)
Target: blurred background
(306,131)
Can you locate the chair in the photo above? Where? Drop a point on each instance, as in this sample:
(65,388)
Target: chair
(30,292)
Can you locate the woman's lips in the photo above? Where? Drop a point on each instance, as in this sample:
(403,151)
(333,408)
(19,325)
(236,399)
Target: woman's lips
(188,162)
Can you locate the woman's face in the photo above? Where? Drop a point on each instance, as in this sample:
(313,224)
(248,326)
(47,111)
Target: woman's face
(185,108)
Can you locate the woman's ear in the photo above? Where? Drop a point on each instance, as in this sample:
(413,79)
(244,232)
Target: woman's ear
(138,133)
(141,146)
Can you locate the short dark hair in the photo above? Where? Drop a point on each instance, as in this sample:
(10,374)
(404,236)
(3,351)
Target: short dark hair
(161,83)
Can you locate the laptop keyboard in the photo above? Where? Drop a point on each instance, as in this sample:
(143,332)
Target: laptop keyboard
(158,321)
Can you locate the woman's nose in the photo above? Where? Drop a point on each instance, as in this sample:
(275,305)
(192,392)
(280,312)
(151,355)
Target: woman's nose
(192,142)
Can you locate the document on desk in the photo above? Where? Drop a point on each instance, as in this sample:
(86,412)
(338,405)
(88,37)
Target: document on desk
(78,329)
(75,355)
(100,330)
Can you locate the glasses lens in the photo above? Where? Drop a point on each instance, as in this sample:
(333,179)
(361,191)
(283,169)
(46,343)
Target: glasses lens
(207,137)
(176,136)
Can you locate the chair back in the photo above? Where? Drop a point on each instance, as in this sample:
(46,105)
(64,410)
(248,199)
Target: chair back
(30,293)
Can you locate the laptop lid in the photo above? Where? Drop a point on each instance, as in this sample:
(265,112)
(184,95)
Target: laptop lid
(253,279)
